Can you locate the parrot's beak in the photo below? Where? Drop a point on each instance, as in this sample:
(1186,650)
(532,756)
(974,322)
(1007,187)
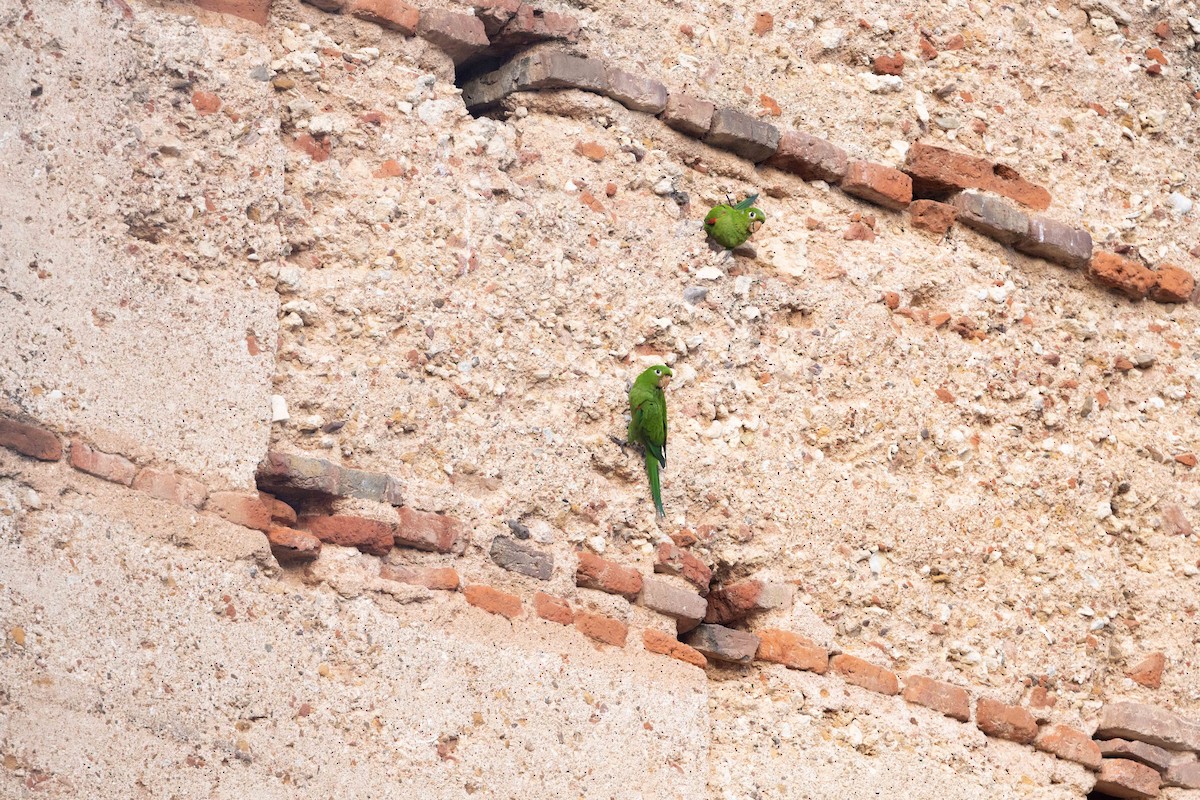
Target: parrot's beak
(755,225)
(664,381)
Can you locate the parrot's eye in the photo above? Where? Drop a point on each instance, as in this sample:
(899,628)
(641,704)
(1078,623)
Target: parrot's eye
(658,372)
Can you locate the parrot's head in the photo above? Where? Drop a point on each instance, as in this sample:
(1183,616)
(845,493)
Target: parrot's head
(757,218)
(659,376)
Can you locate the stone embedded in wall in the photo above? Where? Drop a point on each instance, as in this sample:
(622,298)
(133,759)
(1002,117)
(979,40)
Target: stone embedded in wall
(667,645)
(1056,242)
(601,628)
(1120,777)
(738,600)
(1069,744)
(1183,773)
(493,600)
(636,92)
(723,644)
(792,650)
(991,216)
(171,486)
(395,15)
(253,10)
(937,173)
(552,608)
(1148,754)
(241,508)
(932,216)
(752,139)
(289,546)
(878,184)
(459,35)
(1148,672)
(810,157)
(685,607)
(332,6)
(428,530)
(1143,723)
(1004,721)
(865,674)
(674,560)
(443,579)
(595,572)
(953,701)
(290,473)
(109,466)
(30,440)
(517,556)
(1120,274)
(368,535)
(1172,284)
(688,114)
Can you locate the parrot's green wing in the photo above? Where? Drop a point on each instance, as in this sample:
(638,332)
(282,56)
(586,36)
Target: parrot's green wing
(650,421)
(747,203)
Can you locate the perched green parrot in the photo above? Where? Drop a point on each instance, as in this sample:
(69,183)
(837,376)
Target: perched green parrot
(730,226)
(648,424)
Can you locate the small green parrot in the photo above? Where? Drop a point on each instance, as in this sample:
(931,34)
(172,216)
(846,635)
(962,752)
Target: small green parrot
(730,226)
(648,424)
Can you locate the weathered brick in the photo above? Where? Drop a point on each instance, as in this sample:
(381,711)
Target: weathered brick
(601,628)
(171,486)
(426,530)
(1148,672)
(687,608)
(253,10)
(368,535)
(878,184)
(368,485)
(290,473)
(738,600)
(1184,773)
(109,466)
(281,512)
(393,14)
(1127,277)
(1004,721)
(937,173)
(595,572)
(288,545)
(492,600)
(953,701)
(1148,754)
(518,556)
(723,644)
(674,560)
(750,138)
(1172,284)
(932,216)
(636,92)
(30,440)
(460,35)
(546,69)
(240,508)
(810,157)
(443,579)
(1150,724)
(667,645)
(865,674)
(792,650)
(1120,777)
(688,114)
(1056,242)
(992,216)
(495,14)
(1069,744)
(553,608)
(528,25)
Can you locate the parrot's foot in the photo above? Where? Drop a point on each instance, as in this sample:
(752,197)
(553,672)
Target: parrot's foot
(621,443)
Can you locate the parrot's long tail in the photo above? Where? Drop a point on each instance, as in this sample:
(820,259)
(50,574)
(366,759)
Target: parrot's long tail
(655,486)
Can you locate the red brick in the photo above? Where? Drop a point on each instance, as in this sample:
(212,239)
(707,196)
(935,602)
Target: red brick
(205,103)
(281,512)
(810,157)
(30,440)
(240,508)
(889,65)
(688,114)
(288,545)
(937,173)
(369,535)
(1004,721)
(1172,284)
(427,530)
(1148,672)
(492,600)
(591,150)
(527,25)
(394,14)
(1187,459)
(673,560)
(858,232)
(1163,29)
(951,700)
(109,466)
(792,650)
(316,149)
(932,216)
(595,572)
(459,35)
(928,51)
(878,184)
(865,674)
(1069,744)
(1113,272)
(601,628)
(443,579)
(1120,777)
(636,92)
(667,645)
(738,600)
(555,609)
(253,10)
(170,486)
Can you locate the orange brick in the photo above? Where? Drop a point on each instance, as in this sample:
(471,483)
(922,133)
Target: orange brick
(553,608)
(1004,721)
(951,700)
(1172,284)
(1069,744)
(595,572)
(443,579)
(667,645)
(205,103)
(878,184)
(289,545)
(865,674)
(30,440)
(791,650)
(169,486)
(241,508)
(368,535)
(1113,272)
(492,600)
(109,466)
(1121,777)
(1148,672)
(394,14)
(601,628)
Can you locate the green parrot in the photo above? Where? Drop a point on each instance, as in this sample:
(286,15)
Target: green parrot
(648,424)
(730,226)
